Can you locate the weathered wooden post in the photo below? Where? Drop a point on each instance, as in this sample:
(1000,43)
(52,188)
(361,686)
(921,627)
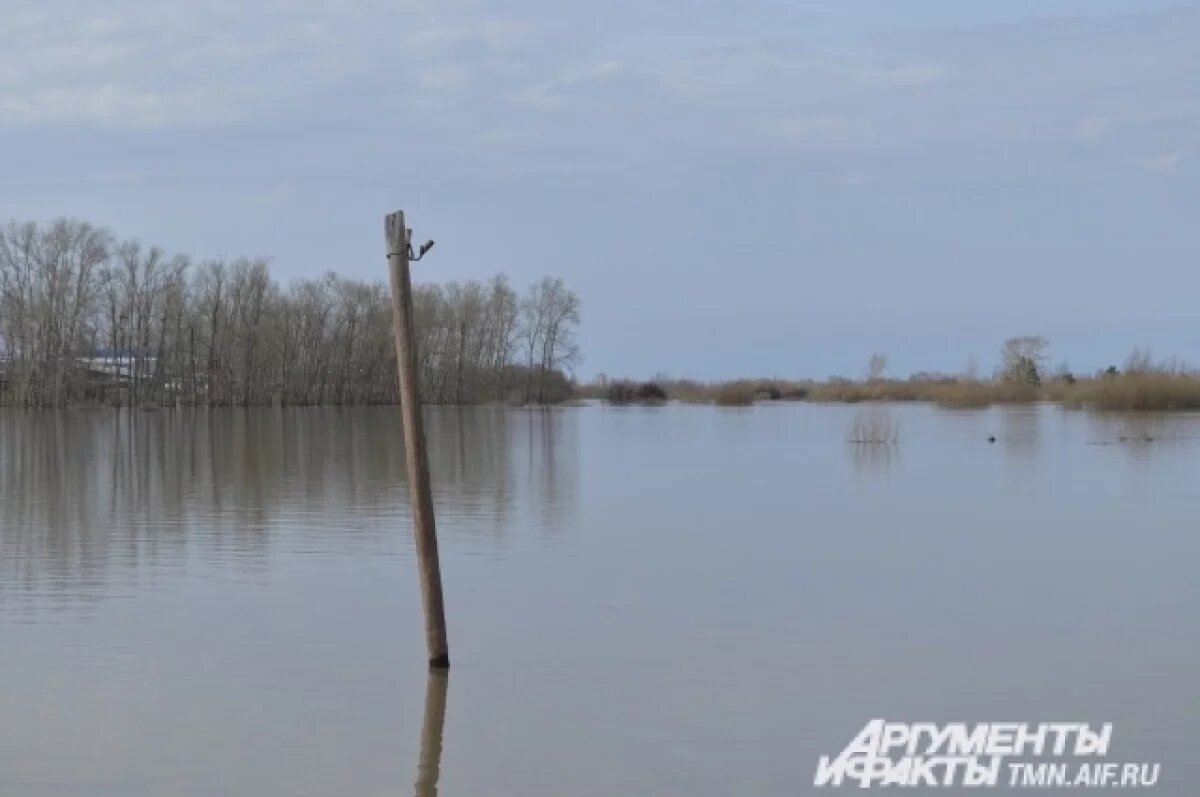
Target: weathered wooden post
(420,494)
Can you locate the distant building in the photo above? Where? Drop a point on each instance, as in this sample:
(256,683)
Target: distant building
(119,363)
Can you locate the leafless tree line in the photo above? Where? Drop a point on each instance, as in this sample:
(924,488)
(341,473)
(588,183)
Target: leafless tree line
(84,318)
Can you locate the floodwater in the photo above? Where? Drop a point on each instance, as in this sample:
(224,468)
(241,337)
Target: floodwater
(642,602)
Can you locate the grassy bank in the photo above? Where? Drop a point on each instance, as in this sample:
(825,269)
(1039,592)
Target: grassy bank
(738,392)
(946,391)
(1142,391)
(1152,390)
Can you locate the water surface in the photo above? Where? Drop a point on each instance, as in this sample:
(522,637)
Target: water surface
(642,601)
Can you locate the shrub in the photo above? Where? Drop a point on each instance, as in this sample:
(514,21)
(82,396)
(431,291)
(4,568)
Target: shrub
(623,392)
(651,393)
(770,392)
(794,392)
(736,394)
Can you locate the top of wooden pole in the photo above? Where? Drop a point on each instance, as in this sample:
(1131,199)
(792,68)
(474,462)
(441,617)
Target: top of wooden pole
(397,234)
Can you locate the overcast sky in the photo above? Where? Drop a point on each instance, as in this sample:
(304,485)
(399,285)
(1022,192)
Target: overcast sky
(756,187)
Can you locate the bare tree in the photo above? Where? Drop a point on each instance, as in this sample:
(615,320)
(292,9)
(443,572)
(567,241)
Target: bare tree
(876,366)
(1023,359)
(550,314)
(47,295)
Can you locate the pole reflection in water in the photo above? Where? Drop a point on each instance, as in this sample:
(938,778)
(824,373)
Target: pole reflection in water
(429,765)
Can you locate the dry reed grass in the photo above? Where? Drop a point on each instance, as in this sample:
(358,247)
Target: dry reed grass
(977,393)
(736,394)
(1154,388)
(1150,391)
(850,392)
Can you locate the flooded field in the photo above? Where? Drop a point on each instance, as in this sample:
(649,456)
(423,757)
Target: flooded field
(678,601)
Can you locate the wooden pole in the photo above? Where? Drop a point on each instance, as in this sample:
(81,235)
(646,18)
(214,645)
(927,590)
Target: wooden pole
(416,458)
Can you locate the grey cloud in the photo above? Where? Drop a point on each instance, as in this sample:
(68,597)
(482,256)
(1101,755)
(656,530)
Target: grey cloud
(938,165)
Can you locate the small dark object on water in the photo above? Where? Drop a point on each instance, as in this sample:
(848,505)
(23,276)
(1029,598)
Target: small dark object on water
(991,438)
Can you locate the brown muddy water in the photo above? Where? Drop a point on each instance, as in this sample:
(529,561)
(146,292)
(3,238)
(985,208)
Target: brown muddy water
(642,601)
